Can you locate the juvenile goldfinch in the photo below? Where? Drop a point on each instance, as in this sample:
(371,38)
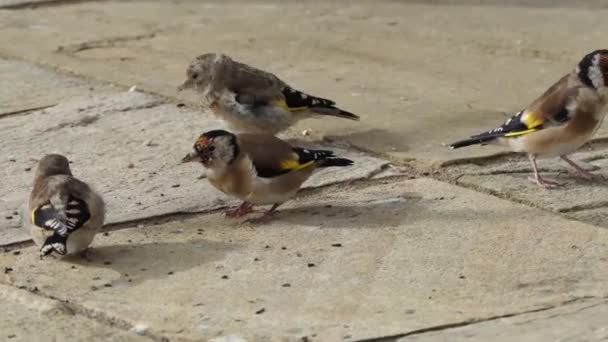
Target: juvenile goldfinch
(251,100)
(257,168)
(65,213)
(564,118)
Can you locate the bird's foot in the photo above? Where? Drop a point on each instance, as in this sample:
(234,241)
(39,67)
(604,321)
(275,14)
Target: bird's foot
(545,183)
(86,254)
(239,211)
(582,173)
(266,218)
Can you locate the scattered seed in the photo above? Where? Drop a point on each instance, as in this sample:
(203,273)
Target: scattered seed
(311,265)
(16,252)
(298,254)
(256,259)
(11,336)
(8,270)
(107,285)
(28,169)
(96,278)
(180,105)
(162,195)
(267,246)
(130,166)
(283,248)
(143,269)
(175,186)
(462,277)
(107,263)
(224,277)
(73,267)
(9,217)
(106,234)
(336,245)
(15,213)
(261,311)
(93,288)
(170,273)
(12,160)
(286,285)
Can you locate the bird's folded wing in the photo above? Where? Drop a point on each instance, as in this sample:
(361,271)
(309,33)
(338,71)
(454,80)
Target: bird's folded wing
(63,220)
(271,156)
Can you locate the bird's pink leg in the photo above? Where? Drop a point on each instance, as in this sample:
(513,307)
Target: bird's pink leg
(580,172)
(244,209)
(538,179)
(267,217)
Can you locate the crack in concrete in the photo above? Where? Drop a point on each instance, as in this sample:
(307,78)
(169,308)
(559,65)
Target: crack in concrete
(24,111)
(93,314)
(442,327)
(576,208)
(43,3)
(102,43)
(562,314)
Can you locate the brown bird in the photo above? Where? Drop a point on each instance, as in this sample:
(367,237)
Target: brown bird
(65,213)
(251,100)
(256,168)
(556,124)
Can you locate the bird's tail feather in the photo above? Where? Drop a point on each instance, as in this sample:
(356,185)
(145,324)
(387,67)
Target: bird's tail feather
(334,111)
(336,162)
(56,243)
(474,140)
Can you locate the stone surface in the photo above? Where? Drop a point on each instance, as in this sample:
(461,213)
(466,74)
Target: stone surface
(27,317)
(577,198)
(342,264)
(33,87)
(580,322)
(420,75)
(128,146)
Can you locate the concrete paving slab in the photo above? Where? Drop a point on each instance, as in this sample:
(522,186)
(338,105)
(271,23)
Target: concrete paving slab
(27,317)
(128,146)
(577,198)
(418,74)
(344,264)
(579,322)
(32,87)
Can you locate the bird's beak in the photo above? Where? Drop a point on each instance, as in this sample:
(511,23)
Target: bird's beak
(191,157)
(186,85)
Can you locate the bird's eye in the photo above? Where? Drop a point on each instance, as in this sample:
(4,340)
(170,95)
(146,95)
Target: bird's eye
(194,76)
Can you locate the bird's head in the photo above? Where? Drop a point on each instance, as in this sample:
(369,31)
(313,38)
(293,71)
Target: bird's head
(201,70)
(214,149)
(53,164)
(593,69)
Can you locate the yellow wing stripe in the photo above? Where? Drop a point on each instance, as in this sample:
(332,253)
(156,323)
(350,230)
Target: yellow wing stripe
(291,164)
(283,104)
(34,217)
(531,120)
(514,134)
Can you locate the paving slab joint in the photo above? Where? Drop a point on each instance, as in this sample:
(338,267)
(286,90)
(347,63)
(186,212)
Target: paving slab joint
(42,3)
(102,43)
(441,327)
(93,314)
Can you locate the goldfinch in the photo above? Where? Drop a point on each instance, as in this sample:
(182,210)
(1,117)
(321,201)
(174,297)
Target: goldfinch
(564,118)
(251,100)
(65,213)
(257,168)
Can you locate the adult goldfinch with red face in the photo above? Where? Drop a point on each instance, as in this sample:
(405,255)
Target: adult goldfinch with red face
(556,124)
(251,100)
(257,168)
